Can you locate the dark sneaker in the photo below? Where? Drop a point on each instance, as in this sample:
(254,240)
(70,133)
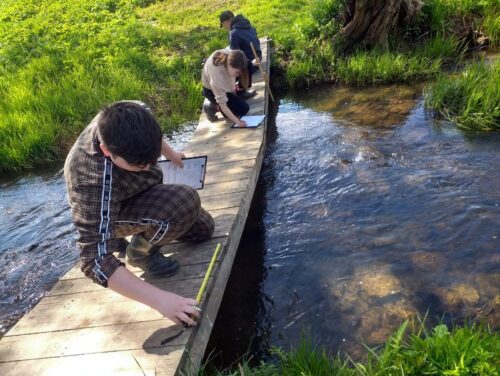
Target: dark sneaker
(246,94)
(210,111)
(155,265)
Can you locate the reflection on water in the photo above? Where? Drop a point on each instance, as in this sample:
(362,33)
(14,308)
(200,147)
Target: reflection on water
(372,213)
(38,241)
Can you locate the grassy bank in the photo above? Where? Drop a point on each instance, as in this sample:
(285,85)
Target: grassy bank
(463,351)
(470,99)
(61,61)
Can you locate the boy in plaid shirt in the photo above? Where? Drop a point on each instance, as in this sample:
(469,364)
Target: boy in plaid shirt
(115,189)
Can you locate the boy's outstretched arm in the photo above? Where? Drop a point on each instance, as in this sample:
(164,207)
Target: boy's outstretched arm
(169,153)
(170,305)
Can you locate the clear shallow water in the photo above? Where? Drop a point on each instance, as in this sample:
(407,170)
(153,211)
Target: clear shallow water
(38,241)
(369,212)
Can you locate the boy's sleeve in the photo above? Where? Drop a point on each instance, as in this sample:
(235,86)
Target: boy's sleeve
(94,213)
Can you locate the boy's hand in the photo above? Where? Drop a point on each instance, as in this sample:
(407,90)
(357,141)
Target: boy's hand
(178,309)
(256,62)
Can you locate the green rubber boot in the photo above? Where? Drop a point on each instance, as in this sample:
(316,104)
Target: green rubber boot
(146,256)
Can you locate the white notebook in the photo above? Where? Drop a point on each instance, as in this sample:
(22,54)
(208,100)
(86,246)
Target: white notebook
(253,121)
(192,174)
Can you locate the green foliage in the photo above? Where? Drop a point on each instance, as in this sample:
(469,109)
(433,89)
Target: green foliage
(61,61)
(307,360)
(472,350)
(445,16)
(470,99)
(378,67)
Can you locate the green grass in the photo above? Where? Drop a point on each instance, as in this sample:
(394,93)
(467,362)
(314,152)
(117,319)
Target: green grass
(470,99)
(471,350)
(61,61)
(447,16)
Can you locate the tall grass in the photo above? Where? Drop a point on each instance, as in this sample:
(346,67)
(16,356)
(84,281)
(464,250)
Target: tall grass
(470,99)
(446,15)
(472,350)
(61,61)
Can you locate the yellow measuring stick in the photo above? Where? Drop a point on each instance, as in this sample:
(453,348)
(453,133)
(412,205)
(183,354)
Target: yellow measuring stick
(207,274)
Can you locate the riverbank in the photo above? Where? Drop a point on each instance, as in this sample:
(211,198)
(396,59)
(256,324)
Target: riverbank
(468,350)
(58,74)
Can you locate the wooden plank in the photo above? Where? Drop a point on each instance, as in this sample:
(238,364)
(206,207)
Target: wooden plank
(227,139)
(216,170)
(222,201)
(197,342)
(233,157)
(129,336)
(224,220)
(94,308)
(224,188)
(130,363)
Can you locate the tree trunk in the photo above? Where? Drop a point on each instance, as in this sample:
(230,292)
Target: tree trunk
(369,22)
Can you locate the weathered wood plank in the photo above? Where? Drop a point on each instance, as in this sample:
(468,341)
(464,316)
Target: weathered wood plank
(199,338)
(152,362)
(217,189)
(94,308)
(129,336)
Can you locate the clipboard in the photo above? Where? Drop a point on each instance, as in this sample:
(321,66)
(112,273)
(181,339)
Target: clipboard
(192,174)
(253,121)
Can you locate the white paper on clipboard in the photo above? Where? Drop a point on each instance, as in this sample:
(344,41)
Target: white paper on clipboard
(192,174)
(253,121)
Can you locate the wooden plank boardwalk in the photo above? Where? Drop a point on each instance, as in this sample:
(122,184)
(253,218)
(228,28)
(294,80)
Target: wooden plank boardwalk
(80,328)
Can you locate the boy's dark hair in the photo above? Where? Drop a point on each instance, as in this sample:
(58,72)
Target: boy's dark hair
(129,130)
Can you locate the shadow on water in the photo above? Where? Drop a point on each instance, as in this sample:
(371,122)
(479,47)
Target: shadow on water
(369,212)
(237,331)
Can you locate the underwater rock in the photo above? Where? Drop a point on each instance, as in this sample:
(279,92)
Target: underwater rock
(427,260)
(458,295)
(380,284)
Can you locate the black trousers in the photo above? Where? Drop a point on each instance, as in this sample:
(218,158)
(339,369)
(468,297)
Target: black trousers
(237,105)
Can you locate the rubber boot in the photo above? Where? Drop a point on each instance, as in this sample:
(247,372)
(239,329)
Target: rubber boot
(146,256)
